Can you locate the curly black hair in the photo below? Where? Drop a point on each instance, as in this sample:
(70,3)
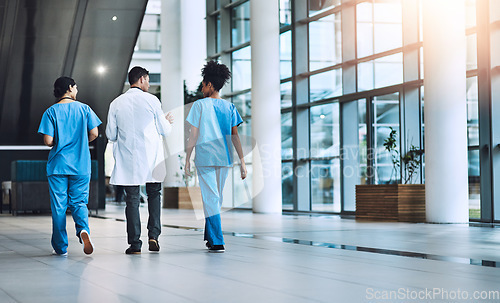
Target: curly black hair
(216,73)
(61,86)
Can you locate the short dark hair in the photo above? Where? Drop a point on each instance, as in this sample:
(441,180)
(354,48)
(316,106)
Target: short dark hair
(136,73)
(216,73)
(61,86)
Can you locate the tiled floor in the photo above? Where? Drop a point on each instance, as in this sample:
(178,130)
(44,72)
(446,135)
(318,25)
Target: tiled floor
(268,258)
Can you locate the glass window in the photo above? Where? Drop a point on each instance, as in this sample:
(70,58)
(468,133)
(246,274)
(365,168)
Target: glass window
(242,189)
(325,42)
(287,185)
(474,184)
(325,185)
(242,69)
(363,147)
(286,55)
(325,85)
(217,35)
(325,132)
(317,6)
(285,12)
(379,27)
(472,112)
(286,136)
(381,72)
(472,52)
(286,94)
(470,13)
(245,133)
(240,24)
(243,104)
(386,116)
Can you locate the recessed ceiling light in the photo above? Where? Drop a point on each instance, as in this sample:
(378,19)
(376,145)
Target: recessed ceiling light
(101,69)
(114,18)
(322,116)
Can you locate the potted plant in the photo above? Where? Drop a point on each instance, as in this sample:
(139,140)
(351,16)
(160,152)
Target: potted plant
(394,202)
(187,196)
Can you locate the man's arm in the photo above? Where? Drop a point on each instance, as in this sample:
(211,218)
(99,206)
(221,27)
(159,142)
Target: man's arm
(111,127)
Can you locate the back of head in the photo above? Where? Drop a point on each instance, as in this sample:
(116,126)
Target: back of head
(61,86)
(216,73)
(136,73)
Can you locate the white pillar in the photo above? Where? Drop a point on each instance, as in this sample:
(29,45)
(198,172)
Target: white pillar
(266,108)
(446,168)
(172,93)
(194,41)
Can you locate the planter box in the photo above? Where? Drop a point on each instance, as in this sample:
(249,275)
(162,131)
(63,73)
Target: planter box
(391,202)
(182,197)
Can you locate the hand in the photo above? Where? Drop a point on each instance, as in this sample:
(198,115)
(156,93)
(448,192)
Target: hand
(187,168)
(170,117)
(243,171)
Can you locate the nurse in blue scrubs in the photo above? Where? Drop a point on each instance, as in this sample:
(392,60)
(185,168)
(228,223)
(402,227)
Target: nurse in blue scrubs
(68,126)
(214,129)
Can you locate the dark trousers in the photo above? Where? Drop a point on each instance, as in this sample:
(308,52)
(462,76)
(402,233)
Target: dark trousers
(133,216)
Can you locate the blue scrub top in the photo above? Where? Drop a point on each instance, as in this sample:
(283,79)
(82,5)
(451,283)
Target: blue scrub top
(69,124)
(214,118)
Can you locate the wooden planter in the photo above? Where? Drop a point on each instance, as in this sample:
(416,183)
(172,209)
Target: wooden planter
(182,197)
(391,202)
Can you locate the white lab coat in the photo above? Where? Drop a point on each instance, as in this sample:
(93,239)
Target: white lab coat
(136,123)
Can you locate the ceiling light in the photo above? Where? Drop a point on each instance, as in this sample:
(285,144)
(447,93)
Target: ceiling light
(322,116)
(114,18)
(101,69)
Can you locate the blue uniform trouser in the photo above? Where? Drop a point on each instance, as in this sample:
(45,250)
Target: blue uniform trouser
(68,191)
(212,179)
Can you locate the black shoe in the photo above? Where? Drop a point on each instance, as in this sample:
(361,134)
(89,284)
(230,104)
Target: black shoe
(216,249)
(153,245)
(208,245)
(133,251)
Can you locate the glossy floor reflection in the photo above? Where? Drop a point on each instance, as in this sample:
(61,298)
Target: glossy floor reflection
(268,258)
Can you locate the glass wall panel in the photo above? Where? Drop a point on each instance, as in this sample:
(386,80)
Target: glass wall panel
(325,85)
(379,27)
(242,69)
(473,145)
(286,136)
(386,116)
(317,6)
(243,104)
(245,133)
(285,12)
(472,52)
(325,132)
(325,185)
(286,54)
(381,72)
(286,94)
(470,13)
(240,24)
(217,35)
(325,42)
(287,185)
(363,144)
(242,189)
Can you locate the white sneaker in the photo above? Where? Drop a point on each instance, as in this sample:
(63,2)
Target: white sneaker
(88,248)
(62,255)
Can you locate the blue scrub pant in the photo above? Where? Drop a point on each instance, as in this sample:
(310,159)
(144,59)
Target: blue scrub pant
(212,179)
(68,191)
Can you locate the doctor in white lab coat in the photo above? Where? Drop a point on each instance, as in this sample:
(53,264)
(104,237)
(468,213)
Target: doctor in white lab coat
(135,125)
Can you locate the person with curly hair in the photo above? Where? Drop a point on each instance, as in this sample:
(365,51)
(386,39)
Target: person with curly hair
(214,129)
(68,126)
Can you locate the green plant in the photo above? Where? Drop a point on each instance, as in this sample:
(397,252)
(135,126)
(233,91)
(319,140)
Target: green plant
(410,160)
